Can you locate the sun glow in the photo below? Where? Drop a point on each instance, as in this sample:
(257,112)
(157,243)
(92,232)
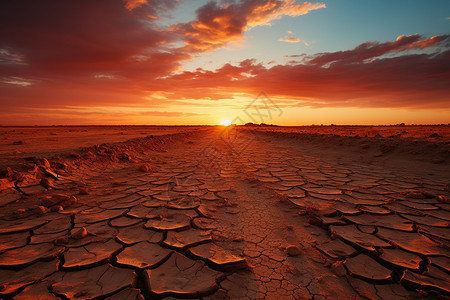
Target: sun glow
(225,122)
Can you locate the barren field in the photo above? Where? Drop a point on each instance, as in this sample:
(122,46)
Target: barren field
(317,212)
(19,141)
(427,132)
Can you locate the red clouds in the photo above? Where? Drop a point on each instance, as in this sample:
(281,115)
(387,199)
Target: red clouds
(289,39)
(76,36)
(216,25)
(361,77)
(82,52)
(132,4)
(371,50)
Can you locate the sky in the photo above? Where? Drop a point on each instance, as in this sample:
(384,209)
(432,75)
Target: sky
(187,62)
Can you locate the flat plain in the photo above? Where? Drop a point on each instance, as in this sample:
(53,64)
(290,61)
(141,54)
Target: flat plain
(214,212)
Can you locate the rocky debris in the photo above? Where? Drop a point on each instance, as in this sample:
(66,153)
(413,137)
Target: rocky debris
(363,266)
(79,233)
(94,282)
(12,281)
(97,232)
(48,172)
(40,210)
(53,200)
(218,258)
(47,183)
(293,250)
(143,255)
(180,276)
(144,168)
(56,208)
(5,184)
(90,255)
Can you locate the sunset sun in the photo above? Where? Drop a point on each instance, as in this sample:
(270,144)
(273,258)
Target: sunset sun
(225,122)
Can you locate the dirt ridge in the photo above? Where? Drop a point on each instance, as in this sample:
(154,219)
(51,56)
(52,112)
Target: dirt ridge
(53,166)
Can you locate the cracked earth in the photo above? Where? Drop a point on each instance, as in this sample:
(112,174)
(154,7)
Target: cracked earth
(225,215)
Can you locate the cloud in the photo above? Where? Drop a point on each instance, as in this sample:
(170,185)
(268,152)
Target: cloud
(132,4)
(360,77)
(105,76)
(69,37)
(7,57)
(16,81)
(218,24)
(168,114)
(371,50)
(90,116)
(69,54)
(63,54)
(289,39)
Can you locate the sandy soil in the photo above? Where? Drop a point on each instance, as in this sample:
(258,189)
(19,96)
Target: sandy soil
(25,140)
(230,214)
(424,132)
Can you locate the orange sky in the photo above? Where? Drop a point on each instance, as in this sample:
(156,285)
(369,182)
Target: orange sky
(131,62)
